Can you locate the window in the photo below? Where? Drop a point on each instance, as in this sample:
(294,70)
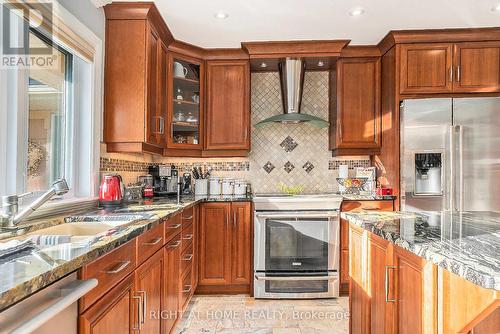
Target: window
(50,116)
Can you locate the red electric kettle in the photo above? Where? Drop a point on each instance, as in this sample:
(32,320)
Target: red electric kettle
(111,190)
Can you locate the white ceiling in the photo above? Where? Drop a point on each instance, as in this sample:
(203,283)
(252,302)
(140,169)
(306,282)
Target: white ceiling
(193,21)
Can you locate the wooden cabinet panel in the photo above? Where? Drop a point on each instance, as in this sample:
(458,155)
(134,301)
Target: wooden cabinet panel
(215,266)
(241,243)
(359,299)
(408,292)
(171,303)
(173,226)
(344,234)
(113,313)
(357,120)
(381,273)
(149,285)
(426,68)
(149,242)
(108,270)
(152,62)
(477,67)
(228,105)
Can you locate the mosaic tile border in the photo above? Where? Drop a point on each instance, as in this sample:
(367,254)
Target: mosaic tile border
(119,165)
(352,164)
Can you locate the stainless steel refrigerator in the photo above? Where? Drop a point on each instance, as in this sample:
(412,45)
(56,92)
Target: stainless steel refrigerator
(450,154)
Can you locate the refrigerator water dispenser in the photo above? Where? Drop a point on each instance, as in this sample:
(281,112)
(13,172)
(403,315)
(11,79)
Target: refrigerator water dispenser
(428,174)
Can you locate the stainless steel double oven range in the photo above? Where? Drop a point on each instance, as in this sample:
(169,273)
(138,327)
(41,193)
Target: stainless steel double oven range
(296,246)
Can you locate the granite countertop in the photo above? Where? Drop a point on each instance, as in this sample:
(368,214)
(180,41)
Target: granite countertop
(352,197)
(27,272)
(466,244)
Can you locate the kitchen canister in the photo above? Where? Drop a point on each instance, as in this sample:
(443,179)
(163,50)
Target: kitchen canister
(200,187)
(214,186)
(227,187)
(240,187)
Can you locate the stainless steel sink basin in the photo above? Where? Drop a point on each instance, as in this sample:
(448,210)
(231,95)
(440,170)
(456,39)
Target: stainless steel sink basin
(74,229)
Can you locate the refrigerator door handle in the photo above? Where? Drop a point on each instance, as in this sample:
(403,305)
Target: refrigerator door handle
(451,195)
(460,131)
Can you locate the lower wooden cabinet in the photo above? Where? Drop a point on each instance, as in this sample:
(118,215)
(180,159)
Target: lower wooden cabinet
(172,255)
(391,289)
(386,205)
(113,313)
(149,285)
(225,253)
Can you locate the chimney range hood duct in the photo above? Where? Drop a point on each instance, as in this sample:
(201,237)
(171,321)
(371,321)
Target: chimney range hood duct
(292,83)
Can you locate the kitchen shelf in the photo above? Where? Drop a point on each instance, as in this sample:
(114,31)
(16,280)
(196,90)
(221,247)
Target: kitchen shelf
(186,124)
(186,102)
(187,80)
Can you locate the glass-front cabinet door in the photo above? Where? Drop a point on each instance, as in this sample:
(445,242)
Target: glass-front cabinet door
(185,103)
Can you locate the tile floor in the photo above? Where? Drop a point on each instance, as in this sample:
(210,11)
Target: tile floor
(244,315)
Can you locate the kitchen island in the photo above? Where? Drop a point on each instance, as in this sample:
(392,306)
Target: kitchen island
(424,272)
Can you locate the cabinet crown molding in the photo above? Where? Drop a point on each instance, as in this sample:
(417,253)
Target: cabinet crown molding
(438,36)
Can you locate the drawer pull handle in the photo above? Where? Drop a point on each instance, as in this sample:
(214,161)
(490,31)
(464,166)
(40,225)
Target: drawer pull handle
(153,242)
(387,284)
(371,208)
(175,244)
(189,257)
(188,218)
(174,227)
(187,288)
(188,237)
(119,267)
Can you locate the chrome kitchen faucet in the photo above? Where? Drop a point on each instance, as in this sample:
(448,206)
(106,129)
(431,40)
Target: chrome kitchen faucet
(10,218)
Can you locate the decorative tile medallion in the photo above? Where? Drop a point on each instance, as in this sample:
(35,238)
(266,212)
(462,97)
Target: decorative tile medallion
(288,167)
(308,167)
(268,167)
(289,144)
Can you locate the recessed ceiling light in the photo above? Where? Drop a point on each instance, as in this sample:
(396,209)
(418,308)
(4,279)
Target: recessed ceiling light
(357,11)
(321,64)
(496,8)
(221,15)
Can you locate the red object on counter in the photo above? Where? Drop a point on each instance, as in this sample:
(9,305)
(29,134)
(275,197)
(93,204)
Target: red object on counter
(148,192)
(384,191)
(111,190)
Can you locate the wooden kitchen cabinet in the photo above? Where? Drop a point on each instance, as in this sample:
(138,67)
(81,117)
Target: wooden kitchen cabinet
(228,106)
(149,285)
(426,68)
(468,67)
(391,289)
(477,67)
(225,248)
(355,118)
(116,312)
(171,302)
(386,205)
(241,243)
(135,78)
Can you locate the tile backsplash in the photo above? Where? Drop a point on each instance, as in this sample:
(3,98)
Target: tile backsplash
(293,153)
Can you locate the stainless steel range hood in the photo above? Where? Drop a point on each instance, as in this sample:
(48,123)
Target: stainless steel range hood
(292,83)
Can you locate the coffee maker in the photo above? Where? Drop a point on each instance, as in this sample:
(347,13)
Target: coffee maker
(165,179)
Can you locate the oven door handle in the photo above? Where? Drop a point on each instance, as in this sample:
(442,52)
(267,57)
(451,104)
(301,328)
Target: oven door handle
(296,278)
(329,214)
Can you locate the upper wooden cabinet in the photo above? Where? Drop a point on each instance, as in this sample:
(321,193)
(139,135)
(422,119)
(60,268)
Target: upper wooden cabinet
(355,119)
(135,72)
(426,68)
(228,105)
(469,67)
(477,67)
(185,104)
